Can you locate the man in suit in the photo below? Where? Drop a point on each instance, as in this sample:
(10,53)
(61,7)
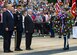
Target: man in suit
(8,26)
(1,21)
(29,29)
(19,27)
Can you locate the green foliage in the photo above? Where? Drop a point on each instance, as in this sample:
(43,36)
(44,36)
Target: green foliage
(54,1)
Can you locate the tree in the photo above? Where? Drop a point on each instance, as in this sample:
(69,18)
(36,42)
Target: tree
(54,1)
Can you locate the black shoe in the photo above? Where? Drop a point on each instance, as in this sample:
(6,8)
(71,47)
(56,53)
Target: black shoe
(65,48)
(29,49)
(52,36)
(74,38)
(18,49)
(59,37)
(8,51)
(68,46)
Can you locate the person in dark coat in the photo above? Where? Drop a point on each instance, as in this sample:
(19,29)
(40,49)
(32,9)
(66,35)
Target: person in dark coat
(8,27)
(29,29)
(0,16)
(51,27)
(1,21)
(19,27)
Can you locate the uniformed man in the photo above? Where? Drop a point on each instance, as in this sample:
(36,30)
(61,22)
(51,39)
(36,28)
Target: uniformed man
(19,27)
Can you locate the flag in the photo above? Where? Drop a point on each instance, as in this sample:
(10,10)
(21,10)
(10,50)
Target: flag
(57,8)
(73,8)
(59,2)
(73,1)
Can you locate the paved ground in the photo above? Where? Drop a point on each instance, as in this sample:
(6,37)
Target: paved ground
(43,46)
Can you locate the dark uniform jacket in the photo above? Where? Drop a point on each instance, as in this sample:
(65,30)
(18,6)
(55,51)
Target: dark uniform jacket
(18,21)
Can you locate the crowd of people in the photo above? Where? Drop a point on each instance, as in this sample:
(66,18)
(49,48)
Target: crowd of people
(33,17)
